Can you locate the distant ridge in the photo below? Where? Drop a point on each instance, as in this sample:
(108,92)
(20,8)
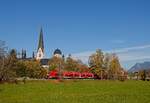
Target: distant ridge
(140,66)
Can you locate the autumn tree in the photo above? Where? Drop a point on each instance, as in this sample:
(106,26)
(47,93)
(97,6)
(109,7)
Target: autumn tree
(31,69)
(142,74)
(107,60)
(34,69)
(82,67)
(96,62)
(8,68)
(114,68)
(71,64)
(22,70)
(105,66)
(55,63)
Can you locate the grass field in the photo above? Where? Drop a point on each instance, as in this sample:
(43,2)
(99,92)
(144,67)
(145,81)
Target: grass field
(80,91)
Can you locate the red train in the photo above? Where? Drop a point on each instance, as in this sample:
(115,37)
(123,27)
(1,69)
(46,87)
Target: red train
(70,75)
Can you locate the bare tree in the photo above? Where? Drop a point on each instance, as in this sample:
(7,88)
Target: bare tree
(3,53)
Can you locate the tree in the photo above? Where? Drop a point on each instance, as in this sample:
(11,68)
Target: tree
(2,59)
(11,64)
(54,63)
(115,67)
(31,69)
(96,62)
(3,49)
(57,63)
(22,70)
(43,73)
(82,67)
(142,74)
(8,68)
(105,66)
(107,60)
(71,64)
(34,69)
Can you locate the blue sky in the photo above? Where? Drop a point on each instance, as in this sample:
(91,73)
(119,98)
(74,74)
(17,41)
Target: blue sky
(79,27)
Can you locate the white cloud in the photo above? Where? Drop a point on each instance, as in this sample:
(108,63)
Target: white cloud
(130,49)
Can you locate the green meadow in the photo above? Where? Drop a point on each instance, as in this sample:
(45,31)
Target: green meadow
(79,91)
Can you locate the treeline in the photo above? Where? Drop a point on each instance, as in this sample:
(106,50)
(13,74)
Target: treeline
(106,66)
(103,66)
(67,64)
(11,67)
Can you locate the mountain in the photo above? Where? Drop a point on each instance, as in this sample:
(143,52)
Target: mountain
(140,66)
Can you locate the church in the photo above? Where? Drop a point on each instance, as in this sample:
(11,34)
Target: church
(40,55)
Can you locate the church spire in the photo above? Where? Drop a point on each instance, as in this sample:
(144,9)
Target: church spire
(40,50)
(41,42)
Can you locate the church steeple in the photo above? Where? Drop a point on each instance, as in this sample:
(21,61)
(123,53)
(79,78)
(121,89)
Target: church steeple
(40,50)
(41,42)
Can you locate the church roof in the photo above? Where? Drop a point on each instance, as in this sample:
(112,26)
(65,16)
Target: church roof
(57,51)
(41,42)
(44,61)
